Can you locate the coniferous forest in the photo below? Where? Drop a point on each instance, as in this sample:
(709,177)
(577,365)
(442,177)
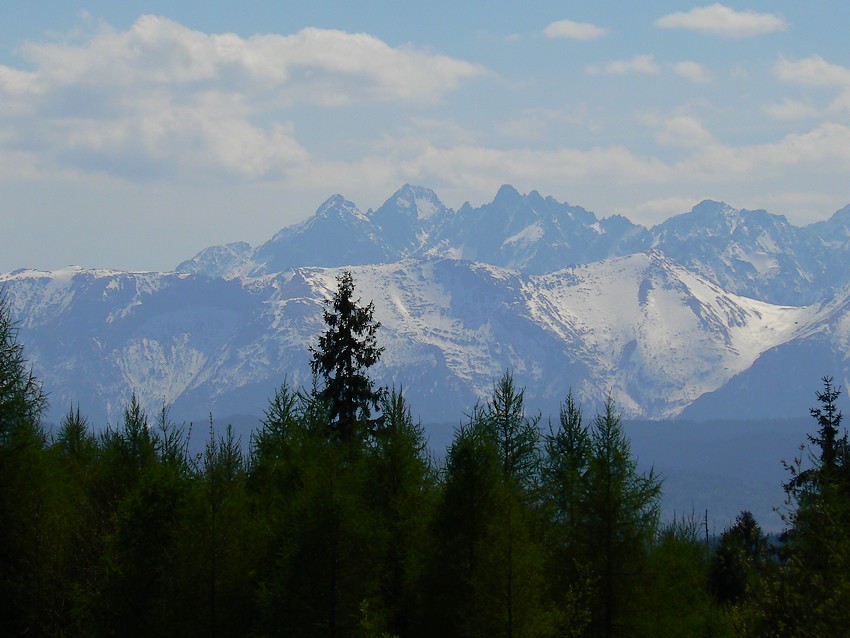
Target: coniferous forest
(335,520)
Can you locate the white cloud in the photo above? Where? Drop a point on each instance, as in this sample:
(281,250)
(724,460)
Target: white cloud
(574,30)
(638,64)
(158,51)
(807,206)
(683,131)
(718,19)
(160,99)
(823,149)
(841,104)
(708,166)
(537,123)
(657,210)
(788,109)
(739,72)
(812,71)
(692,71)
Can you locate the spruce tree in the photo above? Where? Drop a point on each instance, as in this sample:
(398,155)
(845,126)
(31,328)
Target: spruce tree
(346,350)
(816,592)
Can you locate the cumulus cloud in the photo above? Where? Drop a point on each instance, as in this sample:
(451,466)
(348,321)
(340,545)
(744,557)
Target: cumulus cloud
(705,164)
(574,30)
(692,71)
(788,109)
(160,97)
(841,104)
(638,64)
(683,131)
(812,71)
(718,19)
(823,149)
(159,51)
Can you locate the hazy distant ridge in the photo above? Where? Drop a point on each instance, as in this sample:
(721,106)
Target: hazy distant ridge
(715,312)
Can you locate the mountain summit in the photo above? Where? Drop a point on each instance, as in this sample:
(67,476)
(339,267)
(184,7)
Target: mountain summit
(694,314)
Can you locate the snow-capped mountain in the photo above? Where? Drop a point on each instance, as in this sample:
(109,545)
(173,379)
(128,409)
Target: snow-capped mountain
(750,252)
(653,334)
(408,219)
(529,233)
(702,315)
(535,234)
(338,234)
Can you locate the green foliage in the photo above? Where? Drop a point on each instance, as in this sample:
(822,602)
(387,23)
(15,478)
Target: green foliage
(618,511)
(739,560)
(399,492)
(512,535)
(516,436)
(812,592)
(25,504)
(346,350)
(463,573)
(679,602)
(22,398)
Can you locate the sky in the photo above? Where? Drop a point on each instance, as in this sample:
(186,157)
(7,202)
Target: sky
(135,134)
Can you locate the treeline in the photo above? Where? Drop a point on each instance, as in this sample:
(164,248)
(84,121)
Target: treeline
(334,520)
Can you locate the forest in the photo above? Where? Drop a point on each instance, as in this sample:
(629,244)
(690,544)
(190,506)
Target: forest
(335,520)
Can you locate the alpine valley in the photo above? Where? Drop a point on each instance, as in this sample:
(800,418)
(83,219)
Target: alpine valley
(715,313)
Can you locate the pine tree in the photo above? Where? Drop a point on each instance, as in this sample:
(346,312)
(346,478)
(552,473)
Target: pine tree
(565,466)
(516,549)
(564,478)
(346,350)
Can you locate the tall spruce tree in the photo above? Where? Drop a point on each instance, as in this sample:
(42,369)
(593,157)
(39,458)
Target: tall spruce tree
(816,592)
(346,350)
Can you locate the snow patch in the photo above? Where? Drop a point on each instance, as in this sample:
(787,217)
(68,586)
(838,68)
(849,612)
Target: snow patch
(527,236)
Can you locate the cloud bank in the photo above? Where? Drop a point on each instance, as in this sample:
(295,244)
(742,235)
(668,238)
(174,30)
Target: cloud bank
(574,30)
(718,19)
(160,98)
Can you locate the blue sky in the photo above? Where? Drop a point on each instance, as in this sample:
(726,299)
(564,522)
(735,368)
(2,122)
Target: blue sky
(133,134)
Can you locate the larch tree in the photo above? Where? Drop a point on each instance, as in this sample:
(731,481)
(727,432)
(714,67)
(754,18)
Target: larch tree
(623,510)
(23,488)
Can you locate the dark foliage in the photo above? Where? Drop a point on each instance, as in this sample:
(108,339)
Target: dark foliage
(515,534)
(345,352)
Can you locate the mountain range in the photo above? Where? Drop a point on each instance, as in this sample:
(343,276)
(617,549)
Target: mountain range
(714,313)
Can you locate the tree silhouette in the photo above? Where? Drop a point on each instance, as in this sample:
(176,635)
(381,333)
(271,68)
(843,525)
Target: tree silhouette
(346,350)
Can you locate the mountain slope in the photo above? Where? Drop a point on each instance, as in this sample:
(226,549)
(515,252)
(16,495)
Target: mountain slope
(752,253)
(653,334)
(784,378)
